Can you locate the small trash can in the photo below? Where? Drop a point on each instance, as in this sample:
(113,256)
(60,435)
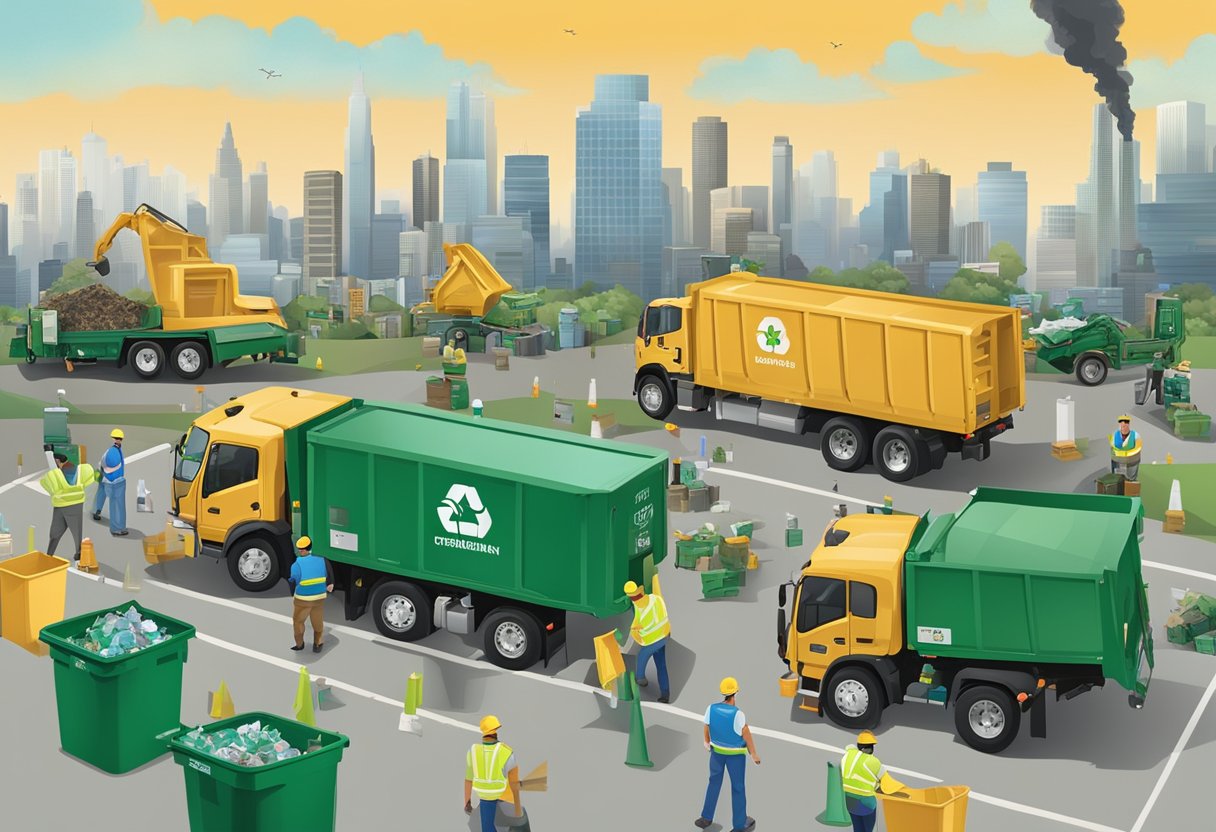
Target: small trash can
(297,793)
(33,592)
(939,809)
(117,713)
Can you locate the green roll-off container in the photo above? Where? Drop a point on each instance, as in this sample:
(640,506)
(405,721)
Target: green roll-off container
(298,794)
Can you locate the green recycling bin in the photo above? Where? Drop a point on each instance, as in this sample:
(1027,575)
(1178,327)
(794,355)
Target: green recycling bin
(299,793)
(117,713)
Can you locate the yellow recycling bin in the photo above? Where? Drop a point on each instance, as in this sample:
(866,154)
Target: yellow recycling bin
(939,809)
(33,593)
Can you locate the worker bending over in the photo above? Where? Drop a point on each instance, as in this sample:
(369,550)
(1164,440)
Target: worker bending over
(863,777)
(651,630)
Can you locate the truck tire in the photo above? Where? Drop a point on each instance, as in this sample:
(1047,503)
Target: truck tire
(189,359)
(853,698)
(1091,370)
(986,718)
(253,563)
(402,611)
(146,358)
(655,397)
(898,454)
(844,443)
(30,358)
(512,639)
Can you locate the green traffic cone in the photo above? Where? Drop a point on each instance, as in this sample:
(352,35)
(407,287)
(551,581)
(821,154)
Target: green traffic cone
(637,755)
(835,814)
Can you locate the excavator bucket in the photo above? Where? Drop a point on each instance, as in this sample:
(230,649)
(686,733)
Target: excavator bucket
(470,286)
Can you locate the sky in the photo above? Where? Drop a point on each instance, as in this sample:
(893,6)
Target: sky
(958,83)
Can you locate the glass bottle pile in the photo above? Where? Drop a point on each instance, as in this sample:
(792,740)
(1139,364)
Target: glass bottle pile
(117,634)
(249,745)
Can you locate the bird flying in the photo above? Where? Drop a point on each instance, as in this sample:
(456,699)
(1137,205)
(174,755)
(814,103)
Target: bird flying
(270,73)
(570,31)
(835,45)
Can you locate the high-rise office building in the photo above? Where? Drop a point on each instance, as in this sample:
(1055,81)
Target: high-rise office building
(1001,202)
(974,242)
(930,226)
(1178,225)
(259,201)
(709,171)
(3,229)
(386,242)
(781,211)
(95,172)
(174,195)
(965,209)
(754,197)
(196,217)
(675,218)
(56,196)
(426,190)
(1055,260)
(884,220)
(1097,205)
(322,262)
(295,240)
(358,185)
(25,221)
(227,193)
(730,230)
(766,249)
(1182,137)
(618,225)
(681,266)
(86,232)
(470,174)
(526,195)
(508,246)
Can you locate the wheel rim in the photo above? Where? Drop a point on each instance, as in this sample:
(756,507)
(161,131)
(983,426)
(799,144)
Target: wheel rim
(986,719)
(254,565)
(1092,370)
(189,360)
(146,360)
(510,639)
(896,456)
(398,613)
(842,443)
(652,398)
(852,698)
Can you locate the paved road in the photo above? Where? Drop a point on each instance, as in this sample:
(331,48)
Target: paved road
(1103,767)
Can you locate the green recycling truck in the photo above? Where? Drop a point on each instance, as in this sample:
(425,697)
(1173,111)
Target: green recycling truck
(433,520)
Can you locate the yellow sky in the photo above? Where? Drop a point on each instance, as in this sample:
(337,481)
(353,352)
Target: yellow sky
(1032,111)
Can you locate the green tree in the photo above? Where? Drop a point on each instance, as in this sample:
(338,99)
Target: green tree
(979,287)
(381,303)
(296,312)
(76,275)
(879,276)
(9,315)
(141,296)
(1198,307)
(1012,266)
(751,266)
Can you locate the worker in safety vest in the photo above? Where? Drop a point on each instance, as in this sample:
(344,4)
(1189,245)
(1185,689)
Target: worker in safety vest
(113,486)
(1125,450)
(650,630)
(863,776)
(66,484)
(728,740)
(491,771)
(311,579)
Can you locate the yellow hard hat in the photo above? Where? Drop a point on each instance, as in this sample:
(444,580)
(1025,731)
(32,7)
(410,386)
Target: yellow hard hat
(304,542)
(489,725)
(117,434)
(1125,418)
(866,738)
(729,686)
(632,589)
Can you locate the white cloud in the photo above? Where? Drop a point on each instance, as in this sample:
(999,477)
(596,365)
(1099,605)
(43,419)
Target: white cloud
(903,63)
(776,76)
(1188,78)
(1008,26)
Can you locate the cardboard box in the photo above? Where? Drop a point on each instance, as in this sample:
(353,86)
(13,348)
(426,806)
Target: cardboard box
(1131,489)
(698,499)
(430,347)
(715,493)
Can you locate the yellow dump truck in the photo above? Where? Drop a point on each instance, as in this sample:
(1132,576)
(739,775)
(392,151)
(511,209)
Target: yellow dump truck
(898,379)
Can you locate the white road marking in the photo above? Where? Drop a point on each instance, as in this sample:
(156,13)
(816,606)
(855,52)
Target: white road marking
(154,450)
(22,480)
(1177,752)
(29,482)
(1206,576)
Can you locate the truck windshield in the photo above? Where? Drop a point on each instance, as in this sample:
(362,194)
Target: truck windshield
(190,459)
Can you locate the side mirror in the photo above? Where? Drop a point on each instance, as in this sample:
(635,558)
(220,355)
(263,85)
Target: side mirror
(782,595)
(646,340)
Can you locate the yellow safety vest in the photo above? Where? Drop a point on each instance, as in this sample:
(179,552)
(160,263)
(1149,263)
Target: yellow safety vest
(62,494)
(1130,448)
(860,772)
(489,764)
(651,620)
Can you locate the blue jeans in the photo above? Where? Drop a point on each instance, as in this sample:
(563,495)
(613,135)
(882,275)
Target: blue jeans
(116,491)
(863,815)
(736,765)
(659,651)
(488,808)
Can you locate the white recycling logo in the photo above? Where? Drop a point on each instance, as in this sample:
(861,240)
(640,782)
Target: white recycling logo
(461,503)
(772,337)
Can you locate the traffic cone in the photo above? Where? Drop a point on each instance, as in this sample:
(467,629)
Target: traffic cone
(655,589)
(637,754)
(597,432)
(591,395)
(327,700)
(88,558)
(320,363)
(219,703)
(70,366)
(410,722)
(536,387)
(834,814)
(29,539)
(303,704)
(129,582)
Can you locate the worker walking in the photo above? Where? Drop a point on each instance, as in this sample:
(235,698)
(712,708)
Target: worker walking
(491,771)
(650,630)
(311,579)
(727,739)
(863,777)
(1125,450)
(113,486)
(65,483)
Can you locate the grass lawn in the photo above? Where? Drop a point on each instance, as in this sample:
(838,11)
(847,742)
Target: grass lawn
(7,333)
(1197,482)
(1201,352)
(539,413)
(371,355)
(14,406)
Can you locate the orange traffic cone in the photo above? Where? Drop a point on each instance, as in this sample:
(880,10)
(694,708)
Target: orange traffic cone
(88,558)
(591,402)
(71,368)
(536,387)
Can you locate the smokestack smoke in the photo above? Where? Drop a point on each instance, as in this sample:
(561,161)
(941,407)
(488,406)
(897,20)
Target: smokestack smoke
(1088,32)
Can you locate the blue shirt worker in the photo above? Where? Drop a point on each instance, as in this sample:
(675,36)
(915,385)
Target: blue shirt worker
(863,776)
(66,484)
(491,771)
(113,486)
(728,740)
(312,578)
(1125,450)
(651,630)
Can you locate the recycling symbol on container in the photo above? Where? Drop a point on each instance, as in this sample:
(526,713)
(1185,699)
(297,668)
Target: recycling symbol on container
(463,513)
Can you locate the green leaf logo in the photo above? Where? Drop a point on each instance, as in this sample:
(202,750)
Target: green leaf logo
(772,336)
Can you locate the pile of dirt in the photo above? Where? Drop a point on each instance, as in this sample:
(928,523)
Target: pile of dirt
(96,307)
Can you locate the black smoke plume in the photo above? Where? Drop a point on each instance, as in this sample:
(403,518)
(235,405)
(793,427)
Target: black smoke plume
(1088,32)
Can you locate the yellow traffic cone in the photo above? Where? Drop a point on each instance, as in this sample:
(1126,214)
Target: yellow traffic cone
(88,558)
(410,722)
(320,363)
(1169,459)
(219,703)
(303,704)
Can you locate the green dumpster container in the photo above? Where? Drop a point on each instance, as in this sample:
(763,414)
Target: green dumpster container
(460,393)
(689,551)
(117,713)
(299,793)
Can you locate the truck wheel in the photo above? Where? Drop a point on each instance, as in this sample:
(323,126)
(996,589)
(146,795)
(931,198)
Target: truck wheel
(189,359)
(1091,371)
(512,639)
(30,358)
(852,698)
(146,358)
(844,443)
(253,564)
(654,397)
(402,611)
(897,453)
(986,718)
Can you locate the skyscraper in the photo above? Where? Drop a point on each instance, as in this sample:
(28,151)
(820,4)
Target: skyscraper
(526,195)
(709,160)
(3,229)
(1181,137)
(470,173)
(322,230)
(1097,208)
(884,220)
(1055,261)
(753,197)
(1001,202)
(1177,225)
(25,221)
(56,196)
(95,171)
(673,202)
(930,231)
(730,231)
(618,225)
(259,200)
(781,212)
(86,233)
(196,217)
(358,185)
(386,243)
(227,193)
(173,194)
(426,190)
(975,239)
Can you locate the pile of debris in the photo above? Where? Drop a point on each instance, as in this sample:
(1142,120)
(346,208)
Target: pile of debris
(96,308)
(1193,621)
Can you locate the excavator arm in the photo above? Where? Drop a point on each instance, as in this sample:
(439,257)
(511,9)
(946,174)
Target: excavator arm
(134,220)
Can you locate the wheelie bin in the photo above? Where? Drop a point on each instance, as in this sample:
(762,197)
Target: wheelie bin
(938,809)
(33,591)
